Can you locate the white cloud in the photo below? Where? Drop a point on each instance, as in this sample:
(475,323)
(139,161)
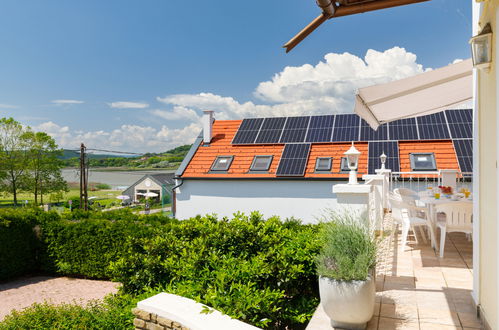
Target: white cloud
(327,87)
(7,106)
(62,102)
(177,113)
(132,138)
(338,76)
(128,105)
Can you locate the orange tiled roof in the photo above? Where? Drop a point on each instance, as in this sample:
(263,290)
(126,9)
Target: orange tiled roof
(224,131)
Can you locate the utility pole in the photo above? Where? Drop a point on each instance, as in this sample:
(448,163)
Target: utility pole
(83,179)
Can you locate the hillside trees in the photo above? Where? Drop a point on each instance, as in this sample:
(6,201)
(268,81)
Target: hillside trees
(28,161)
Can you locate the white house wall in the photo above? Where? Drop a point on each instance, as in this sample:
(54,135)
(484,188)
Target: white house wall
(306,200)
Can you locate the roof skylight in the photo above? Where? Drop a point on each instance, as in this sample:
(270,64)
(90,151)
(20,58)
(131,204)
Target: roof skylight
(222,163)
(261,163)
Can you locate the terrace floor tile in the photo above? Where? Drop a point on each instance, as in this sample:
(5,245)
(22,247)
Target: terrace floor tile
(416,289)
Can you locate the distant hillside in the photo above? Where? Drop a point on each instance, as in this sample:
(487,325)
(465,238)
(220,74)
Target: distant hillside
(170,159)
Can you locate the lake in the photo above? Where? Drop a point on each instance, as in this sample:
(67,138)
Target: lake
(118,180)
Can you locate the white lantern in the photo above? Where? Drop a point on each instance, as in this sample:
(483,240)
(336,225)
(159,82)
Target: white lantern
(383,160)
(481,48)
(352,155)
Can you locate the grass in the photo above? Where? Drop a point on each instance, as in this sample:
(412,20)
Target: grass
(104,197)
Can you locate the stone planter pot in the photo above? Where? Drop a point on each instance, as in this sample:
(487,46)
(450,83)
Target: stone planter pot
(349,304)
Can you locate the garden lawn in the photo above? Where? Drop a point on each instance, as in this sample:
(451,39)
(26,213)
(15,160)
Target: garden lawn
(104,197)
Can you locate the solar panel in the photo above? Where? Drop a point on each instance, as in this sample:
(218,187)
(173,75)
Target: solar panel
(391,150)
(248,130)
(403,129)
(368,134)
(346,128)
(460,123)
(320,129)
(433,127)
(464,151)
(295,129)
(271,130)
(293,160)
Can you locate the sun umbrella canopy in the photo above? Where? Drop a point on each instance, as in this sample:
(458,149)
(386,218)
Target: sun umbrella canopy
(123,197)
(423,94)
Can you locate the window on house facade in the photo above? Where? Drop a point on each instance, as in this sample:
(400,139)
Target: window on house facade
(423,161)
(323,164)
(344,165)
(261,163)
(222,163)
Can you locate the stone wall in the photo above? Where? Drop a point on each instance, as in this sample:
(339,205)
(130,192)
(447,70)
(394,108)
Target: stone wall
(166,311)
(151,321)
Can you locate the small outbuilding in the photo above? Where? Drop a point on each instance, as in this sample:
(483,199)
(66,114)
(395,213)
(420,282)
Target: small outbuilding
(159,184)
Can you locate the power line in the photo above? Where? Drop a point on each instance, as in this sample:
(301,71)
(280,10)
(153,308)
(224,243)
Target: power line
(116,152)
(111,151)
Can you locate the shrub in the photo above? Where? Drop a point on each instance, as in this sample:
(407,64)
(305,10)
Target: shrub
(113,313)
(258,271)
(86,247)
(102,186)
(124,214)
(18,242)
(348,251)
(75,204)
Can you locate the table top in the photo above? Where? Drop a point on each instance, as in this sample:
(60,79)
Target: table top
(444,200)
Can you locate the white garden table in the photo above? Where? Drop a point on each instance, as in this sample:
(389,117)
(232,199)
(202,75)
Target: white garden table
(430,203)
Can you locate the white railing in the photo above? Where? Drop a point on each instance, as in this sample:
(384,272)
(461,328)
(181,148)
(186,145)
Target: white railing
(420,181)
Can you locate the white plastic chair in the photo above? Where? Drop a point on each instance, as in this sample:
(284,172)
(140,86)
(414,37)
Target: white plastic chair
(458,218)
(409,217)
(411,197)
(406,193)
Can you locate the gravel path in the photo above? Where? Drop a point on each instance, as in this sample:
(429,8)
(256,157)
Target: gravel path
(24,292)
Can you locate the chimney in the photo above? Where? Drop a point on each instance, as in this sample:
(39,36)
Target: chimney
(207,126)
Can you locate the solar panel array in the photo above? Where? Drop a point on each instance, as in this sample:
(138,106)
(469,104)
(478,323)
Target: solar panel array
(368,134)
(390,149)
(451,124)
(248,130)
(460,123)
(433,126)
(297,133)
(295,129)
(464,151)
(320,128)
(271,130)
(403,129)
(294,159)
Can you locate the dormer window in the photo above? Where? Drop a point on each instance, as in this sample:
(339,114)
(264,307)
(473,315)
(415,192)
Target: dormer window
(222,163)
(423,161)
(261,163)
(323,164)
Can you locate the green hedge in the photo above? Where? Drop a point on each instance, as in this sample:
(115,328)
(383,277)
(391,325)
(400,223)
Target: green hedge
(87,247)
(19,246)
(258,271)
(113,313)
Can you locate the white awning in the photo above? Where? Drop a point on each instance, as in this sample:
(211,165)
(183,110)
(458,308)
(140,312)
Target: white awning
(423,94)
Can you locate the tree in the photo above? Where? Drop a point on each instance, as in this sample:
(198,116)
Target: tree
(44,175)
(13,155)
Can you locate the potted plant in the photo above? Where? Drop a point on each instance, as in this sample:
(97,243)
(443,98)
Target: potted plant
(346,272)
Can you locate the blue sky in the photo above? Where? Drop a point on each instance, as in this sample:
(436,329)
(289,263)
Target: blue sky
(135,75)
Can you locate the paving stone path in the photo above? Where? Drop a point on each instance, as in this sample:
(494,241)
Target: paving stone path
(21,293)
